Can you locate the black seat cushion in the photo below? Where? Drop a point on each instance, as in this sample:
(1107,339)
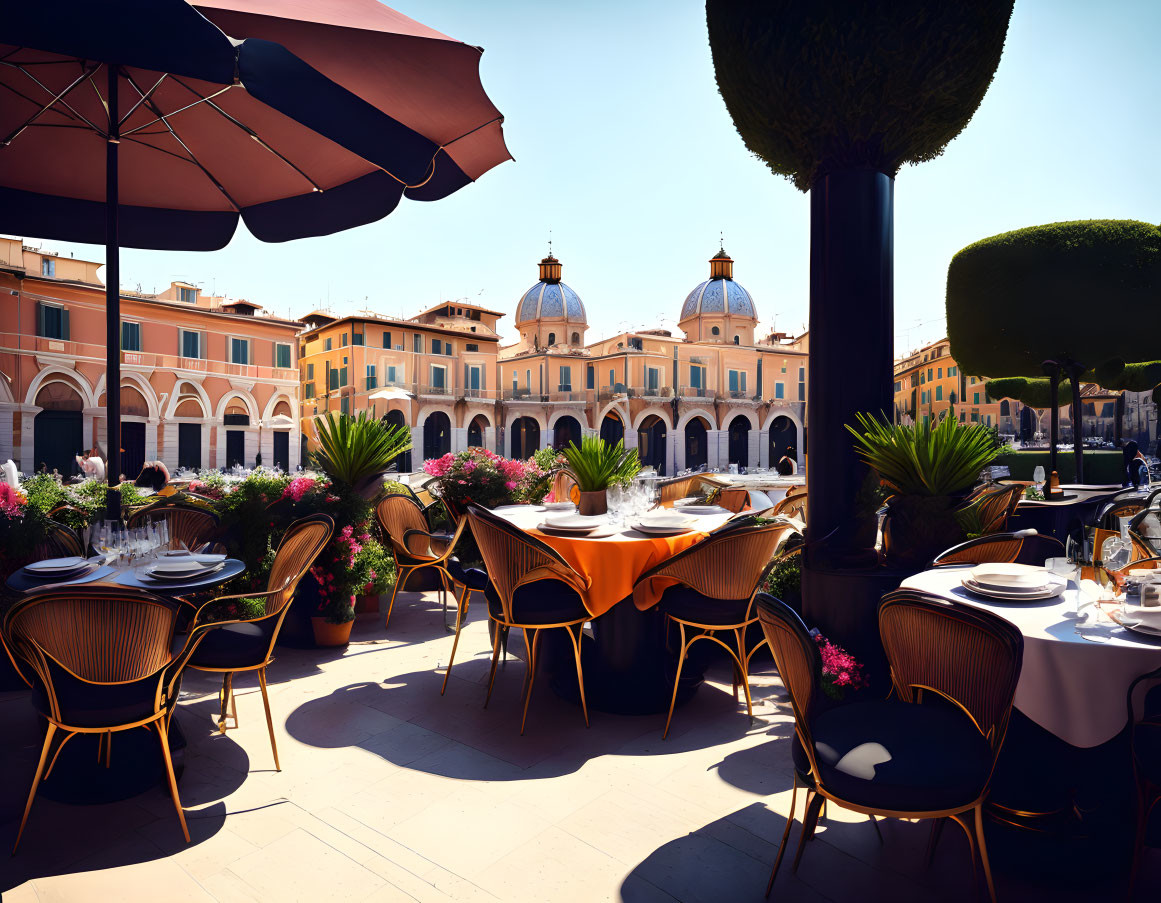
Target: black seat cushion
(233,646)
(542,602)
(473,578)
(938,759)
(84,704)
(688,604)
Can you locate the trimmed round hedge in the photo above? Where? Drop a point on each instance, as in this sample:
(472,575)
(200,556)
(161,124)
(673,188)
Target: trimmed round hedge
(815,88)
(1075,290)
(1034,392)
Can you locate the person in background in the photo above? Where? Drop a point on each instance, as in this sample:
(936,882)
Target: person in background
(1136,469)
(786,466)
(154,475)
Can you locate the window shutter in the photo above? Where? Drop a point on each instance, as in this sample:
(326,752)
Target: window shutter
(466,383)
(64,323)
(39,318)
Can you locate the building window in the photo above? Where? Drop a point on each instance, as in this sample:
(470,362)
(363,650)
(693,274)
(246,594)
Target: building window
(417,344)
(898,386)
(386,340)
(939,393)
(372,382)
(438,377)
(332,379)
(611,381)
(130,336)
(391,376)
(528,380)
(652,380)
(590,377)
(475,380)
(52,321)
(187,295)
(737,383)
(436,346)
(343,341)
(576,338)
(929,372)
(802,384)
(552,338)
(939,373)
(715,331)
(47,266)
(975,398)
(447,348)
(566,379)
(697,379)
(779,391)
(191,344)
(310,371)
(282,355)
(308,390)
(471,346)
(345,404)
(329,344)
(358,338)
(953,371)
(515,383)
(239,351)
(342,376)
(737,340)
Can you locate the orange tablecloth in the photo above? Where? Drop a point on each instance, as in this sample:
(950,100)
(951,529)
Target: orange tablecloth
(614,563)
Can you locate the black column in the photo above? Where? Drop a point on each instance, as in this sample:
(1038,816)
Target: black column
(112,304)
(851,342)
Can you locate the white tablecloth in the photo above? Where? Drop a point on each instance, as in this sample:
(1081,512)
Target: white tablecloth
(1076,672)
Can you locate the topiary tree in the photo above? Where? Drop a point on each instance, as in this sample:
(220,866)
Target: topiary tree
(837,97)
(1022,299)
(1036,393)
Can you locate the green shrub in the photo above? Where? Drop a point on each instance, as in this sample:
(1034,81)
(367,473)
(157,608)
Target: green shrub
(1034,392)
(815,88)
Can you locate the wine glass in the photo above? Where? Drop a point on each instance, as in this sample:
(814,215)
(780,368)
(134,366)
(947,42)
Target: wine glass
(615,500)
(1039,476)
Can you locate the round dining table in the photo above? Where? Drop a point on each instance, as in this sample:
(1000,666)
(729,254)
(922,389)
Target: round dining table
(628,669)
(1058,517)
(1077,666)
(130,575)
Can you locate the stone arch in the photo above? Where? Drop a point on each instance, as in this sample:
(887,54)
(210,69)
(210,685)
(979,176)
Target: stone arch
(54,374)
(5,391)
(734,415)
(776,412)
(179,393)
(275,399)
(650,411)
(473,412)
(138,382)
(515,415)
(247,400)
(705,414)
(611,408)
(428,409)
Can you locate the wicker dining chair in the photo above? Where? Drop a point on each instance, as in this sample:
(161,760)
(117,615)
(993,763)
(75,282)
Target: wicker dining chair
(530,586)
(247,644)
(710,587)
(927,753)
(399,515)
(694,484)
(440,553)
(99,661)
(994,505)
(1145,742)
(60,541)
(733,498)
(191,526)
(1141,547)
(792,506)
(1022,547)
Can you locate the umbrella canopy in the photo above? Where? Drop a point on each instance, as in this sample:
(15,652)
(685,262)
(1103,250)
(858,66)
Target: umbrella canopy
(140,123)
(213,129)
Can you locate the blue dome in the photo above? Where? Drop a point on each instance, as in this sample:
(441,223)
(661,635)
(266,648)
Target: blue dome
(719,296)
(550,300)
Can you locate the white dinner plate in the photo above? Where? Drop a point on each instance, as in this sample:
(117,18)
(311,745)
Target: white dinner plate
(1053,590)
(198,557)
(661,530)
(181,576)
(701,509)
(1126,620)
(56,566)
(597,532)
(1010,577)
(559,506)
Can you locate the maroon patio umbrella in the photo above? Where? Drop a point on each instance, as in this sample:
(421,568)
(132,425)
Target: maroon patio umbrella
(140,123)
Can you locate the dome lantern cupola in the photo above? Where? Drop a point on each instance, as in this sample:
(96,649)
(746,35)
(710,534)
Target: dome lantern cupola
(721,265)
(550,270)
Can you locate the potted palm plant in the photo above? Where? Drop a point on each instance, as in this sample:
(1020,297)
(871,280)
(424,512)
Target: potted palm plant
(929,471)
(597,464)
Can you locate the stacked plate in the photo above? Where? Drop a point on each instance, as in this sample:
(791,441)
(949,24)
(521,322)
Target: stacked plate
(700,509)
(1140,618)
(183,568)
(571,524)
(559,506)
(663,523)
(1014,582)
(60,568)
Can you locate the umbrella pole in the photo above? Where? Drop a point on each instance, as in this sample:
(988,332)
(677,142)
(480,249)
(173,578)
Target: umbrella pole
(112,304)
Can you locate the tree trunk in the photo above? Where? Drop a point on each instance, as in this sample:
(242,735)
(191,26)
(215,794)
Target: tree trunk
(851,334)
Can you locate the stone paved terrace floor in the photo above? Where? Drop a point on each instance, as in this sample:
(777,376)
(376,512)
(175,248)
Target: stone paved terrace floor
(391,793)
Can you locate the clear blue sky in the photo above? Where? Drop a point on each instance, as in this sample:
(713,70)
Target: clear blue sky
(625,151)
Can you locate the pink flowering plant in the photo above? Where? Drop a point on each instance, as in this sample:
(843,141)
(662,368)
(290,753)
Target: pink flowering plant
(482,477)
(841,671)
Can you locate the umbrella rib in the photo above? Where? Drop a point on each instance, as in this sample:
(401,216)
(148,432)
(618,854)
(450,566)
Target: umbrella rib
(254,135)
(29,99)
(161,118)
(152,105)
(144,97)
(8,139)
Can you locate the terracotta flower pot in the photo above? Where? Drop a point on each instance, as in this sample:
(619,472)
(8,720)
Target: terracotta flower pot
(595,502)
(367,603)
(327,634)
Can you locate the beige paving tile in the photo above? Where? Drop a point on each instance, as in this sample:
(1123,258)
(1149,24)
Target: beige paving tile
(553,865)
(299,866)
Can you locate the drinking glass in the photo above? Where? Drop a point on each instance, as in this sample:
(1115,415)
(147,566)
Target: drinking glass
(1038,475)
(615,500)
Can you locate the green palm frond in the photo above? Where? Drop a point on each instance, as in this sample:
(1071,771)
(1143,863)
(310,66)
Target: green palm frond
(596,463)
(352,449)
(925,459)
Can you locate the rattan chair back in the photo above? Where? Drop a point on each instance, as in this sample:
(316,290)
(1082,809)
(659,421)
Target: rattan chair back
(190,526)
(792,506)
(396,514)
(1141,547)
(994,505)
(513,557)
(798,659)
(733,499)
(964,654)
(301,544)
(694,484)
(728,564)
(1025,548)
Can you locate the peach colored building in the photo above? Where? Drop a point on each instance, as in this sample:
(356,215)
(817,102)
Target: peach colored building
(434,373)
(205,381)
(714,396)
